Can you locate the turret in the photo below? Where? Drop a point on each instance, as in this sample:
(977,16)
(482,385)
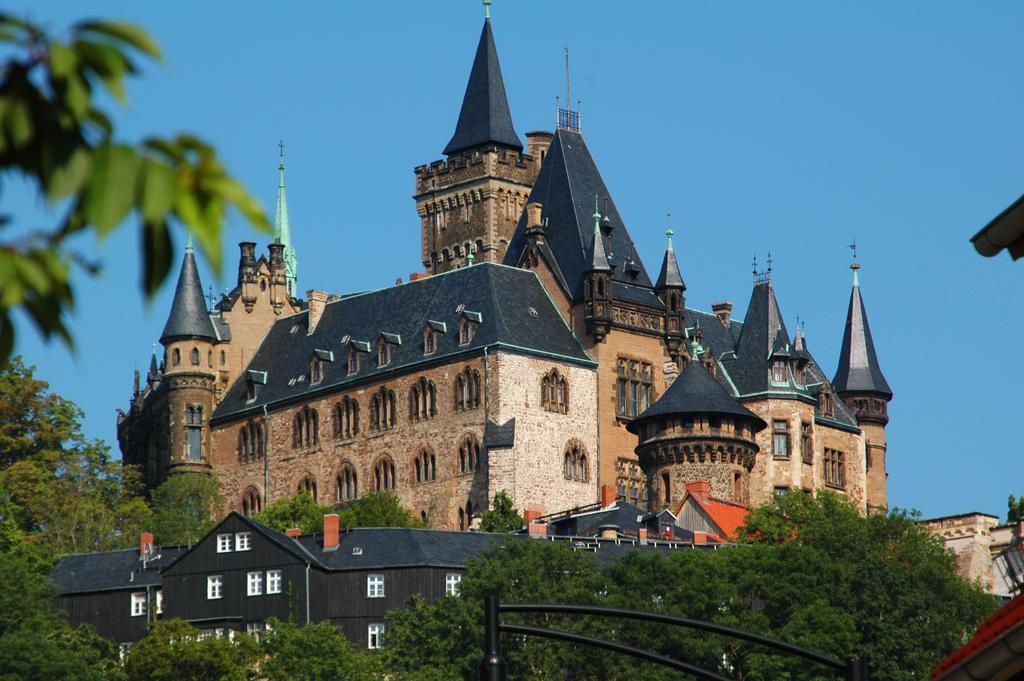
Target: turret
(862,386)
(247,279)
(283,234)
(188,339)
(597,287)
(671,289)
(696,431)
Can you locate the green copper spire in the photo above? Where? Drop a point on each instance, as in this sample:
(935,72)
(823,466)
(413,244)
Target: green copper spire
(283,232)
(487,9)
(188,241)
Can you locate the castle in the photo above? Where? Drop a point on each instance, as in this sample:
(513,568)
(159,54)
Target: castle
(536,356)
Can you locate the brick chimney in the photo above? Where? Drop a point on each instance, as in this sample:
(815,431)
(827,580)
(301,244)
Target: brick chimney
(529,515)
(642,535)
(293,532)
(722,310)
(537,529)
(145,541)
(416,276)
(608,495)
(330,531)
(699,487)
(700,538)
(317,300)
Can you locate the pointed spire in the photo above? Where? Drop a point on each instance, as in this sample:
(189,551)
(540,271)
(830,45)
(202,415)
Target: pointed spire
(189,317)
(283,231)
(485,117)
(598,257)
(859,370)
(153,375)
(670,276)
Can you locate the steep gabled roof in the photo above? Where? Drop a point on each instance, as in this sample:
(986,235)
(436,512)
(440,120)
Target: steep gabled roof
(727,515)
(696,391)
(566,186)
(858,363)
(763,336)
(512,305)
(485,117)
(189,317)
(670,275)
(111,570)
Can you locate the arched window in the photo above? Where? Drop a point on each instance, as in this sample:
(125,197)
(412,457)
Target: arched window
(251,502)
(316,370)
(460,393)
(382,410)
(194,432)
(465,331)
(250,442)
(469,513)
(383,353)
(346,418)
(467,389)
(422,397)
(554,392)
(425,465)
(176,356)
(209,358)
(666,488)
(307,485)
(353,361)
(195,357)
(429,340)
(384,474)
(469,454)
(462,519)
(574,463)
(306,428)
(223,358)
(348,482)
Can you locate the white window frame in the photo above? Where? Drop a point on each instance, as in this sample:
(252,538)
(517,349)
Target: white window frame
(274,581)
(254,583)
(256,629)
(375,586)
(243,541)
(452,583)
(159,601)
(375,636)
(224,543)
(138,606)
(214,587)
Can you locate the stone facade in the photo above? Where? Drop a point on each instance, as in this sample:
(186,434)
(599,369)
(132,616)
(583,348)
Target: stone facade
(980,544)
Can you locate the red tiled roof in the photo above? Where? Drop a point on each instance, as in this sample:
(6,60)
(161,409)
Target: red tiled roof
(728,515)
(997,624)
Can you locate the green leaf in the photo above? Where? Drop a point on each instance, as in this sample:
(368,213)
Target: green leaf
(159,189)
(77,95)
(19,123)
(62,60)
(68,178)
(158,252)
(107,62)
(131,34)
(111,191)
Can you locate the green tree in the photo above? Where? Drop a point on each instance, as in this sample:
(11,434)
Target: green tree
(54,132)
(183,508)
(502,517)
(314,652)
(1014,509)
(173,651)
(377,509)
(66,491)
(299,511)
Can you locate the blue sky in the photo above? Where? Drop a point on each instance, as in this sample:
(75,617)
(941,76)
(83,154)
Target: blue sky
(790,127)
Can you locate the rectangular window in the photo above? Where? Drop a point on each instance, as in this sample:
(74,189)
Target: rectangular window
(159,602)
(138,604)
(255,582)
(780,439)
(634,387)
(779,372)
(214,587)
(255,629)
(452,581)
(273,581)
(375,636)
(375,586)
(194,433)
(243,541)
(223,543)
(806,443)
(780,490)
(835,468)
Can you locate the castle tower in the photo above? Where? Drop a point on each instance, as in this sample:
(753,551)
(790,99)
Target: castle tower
(597,287)
(671,289)
(862,386)
(696,431)
(283,233)
(189,376)
(472,201)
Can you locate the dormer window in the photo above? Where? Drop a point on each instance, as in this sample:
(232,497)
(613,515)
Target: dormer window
(779,374)
(250,391)
(429,341)
(383,353)
(316,370)
(253,379)
(353,361)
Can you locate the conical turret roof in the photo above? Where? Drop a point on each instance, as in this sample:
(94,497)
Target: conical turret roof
(189,317)
(696,391)
(485,117)
(859,370)
(670,276)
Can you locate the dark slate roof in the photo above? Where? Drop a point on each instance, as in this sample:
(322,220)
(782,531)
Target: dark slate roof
(189,317)
(628,517)
(695,391)
(500,436)
(395,547)
(858,364)
(110,570)
(842,416)
(670,275)
(566,186)
(505,297)
(762,336)
(485,116)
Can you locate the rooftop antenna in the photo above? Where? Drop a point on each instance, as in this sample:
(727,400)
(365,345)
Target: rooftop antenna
(568,99)
(854,265)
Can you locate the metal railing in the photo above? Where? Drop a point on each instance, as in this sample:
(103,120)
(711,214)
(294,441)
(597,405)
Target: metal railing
(494,668)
